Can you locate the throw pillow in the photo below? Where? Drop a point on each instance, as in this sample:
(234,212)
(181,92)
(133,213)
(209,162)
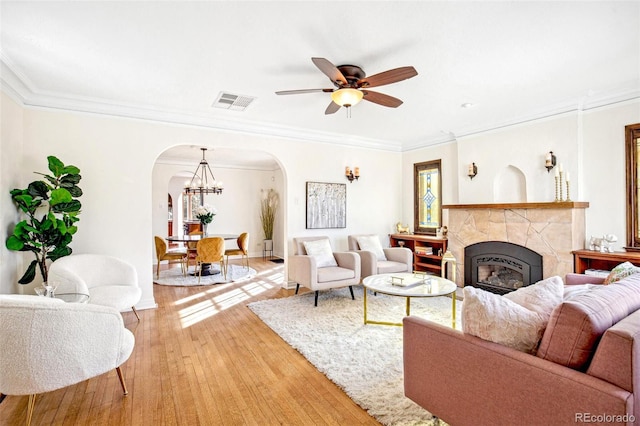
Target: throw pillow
(619,272)
(321,250)
(495,318)
(541,297)
(371,243)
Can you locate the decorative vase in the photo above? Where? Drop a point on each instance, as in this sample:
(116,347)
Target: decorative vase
(45,290)
(203,225)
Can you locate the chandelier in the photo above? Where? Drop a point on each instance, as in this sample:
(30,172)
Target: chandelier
(203,181)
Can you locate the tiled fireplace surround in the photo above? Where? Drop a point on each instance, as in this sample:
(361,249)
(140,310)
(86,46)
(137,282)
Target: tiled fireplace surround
(552,229)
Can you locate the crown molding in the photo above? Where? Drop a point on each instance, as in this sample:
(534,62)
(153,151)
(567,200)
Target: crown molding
(20,89)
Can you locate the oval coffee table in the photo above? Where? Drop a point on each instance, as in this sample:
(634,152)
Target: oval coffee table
(409,285)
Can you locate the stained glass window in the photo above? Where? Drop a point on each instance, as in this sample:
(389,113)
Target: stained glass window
(428,197)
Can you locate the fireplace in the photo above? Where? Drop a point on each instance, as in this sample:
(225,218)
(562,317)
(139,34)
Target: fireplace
(501,267)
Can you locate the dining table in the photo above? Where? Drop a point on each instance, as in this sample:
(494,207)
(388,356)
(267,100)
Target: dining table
(206,267)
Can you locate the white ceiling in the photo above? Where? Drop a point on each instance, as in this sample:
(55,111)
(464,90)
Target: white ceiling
(166,60)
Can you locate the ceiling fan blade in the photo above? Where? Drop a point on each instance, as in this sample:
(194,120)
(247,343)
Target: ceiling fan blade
(381,99)
(297,92)
(388,77)
(332,108)
(330,70)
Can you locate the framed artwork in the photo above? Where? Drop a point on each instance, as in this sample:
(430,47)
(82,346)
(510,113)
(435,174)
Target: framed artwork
(326,205)
(427,188)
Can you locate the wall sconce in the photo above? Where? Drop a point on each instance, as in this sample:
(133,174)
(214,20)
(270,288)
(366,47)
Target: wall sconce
(473,170)
(549,161)
(352,174)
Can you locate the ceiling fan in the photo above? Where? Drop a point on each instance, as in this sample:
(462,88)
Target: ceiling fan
(352,85)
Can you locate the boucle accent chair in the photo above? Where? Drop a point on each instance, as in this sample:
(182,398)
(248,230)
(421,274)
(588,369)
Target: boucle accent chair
(586,368)
(376,259)
(316,266)
(108,280)
(47,344)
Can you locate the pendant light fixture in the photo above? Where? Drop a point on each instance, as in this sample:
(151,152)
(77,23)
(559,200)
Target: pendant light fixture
(203,181)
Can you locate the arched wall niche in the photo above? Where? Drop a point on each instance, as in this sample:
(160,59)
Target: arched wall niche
(510,186)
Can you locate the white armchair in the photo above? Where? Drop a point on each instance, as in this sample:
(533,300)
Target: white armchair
(378,260)
(317,267)
(48,344)
(107,280)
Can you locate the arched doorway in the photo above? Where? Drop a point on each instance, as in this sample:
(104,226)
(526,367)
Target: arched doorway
(246,175)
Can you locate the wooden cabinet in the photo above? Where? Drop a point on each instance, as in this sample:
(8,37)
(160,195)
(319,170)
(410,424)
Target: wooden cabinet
(427,251)
(190,226)
(588,259)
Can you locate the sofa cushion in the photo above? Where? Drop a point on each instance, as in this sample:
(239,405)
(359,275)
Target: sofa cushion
(495,318)
(371,243)
(336,273)
(576,325)
(321,251)
(388,267)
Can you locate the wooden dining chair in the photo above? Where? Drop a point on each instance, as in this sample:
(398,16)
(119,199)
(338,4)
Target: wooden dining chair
(163,254)
(242,250)
(191,248)
(210,250)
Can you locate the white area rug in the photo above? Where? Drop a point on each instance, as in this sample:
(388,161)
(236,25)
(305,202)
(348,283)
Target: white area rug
(364,360)
(174,276)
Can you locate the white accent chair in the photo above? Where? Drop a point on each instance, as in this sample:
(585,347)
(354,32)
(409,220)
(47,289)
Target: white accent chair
(378,260)
(48,344)
(321,268)
(107,280)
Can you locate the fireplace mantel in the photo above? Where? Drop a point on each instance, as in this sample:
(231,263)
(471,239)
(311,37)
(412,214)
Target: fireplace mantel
(512,206)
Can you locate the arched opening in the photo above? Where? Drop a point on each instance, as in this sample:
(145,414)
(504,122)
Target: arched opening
(245,174)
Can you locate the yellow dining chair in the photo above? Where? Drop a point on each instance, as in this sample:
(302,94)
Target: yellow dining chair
(210,250)
(242,250)
(163,254)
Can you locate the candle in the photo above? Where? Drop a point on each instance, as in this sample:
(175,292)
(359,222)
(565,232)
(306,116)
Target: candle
(560,167)
(470,169)
(567,177)
(347,171)
(557,173)
(357,172)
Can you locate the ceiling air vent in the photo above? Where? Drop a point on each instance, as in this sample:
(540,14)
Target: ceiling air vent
(231,101)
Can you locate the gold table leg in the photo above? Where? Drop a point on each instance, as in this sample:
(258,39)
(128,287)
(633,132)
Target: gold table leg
(365,305)
(453,309)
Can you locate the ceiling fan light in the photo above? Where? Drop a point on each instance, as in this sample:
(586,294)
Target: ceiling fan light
(347,97)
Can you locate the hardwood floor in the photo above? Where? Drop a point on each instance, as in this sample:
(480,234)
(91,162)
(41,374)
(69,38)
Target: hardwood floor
(202,358)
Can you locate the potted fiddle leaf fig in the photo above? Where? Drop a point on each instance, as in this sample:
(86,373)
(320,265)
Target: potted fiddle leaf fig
(52,209)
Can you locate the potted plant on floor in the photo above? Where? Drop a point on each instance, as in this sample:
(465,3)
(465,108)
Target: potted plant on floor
(268,208)
(52,211)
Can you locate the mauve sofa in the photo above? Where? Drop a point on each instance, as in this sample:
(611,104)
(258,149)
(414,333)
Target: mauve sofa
(585,370)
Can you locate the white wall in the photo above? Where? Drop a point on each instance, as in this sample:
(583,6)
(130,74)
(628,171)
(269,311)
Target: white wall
(117,156)
(603,175)
(522,148)
(590,145)
(11,265)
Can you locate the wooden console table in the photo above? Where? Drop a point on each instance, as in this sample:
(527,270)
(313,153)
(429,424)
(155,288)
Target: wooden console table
(588,259)
(418,244)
